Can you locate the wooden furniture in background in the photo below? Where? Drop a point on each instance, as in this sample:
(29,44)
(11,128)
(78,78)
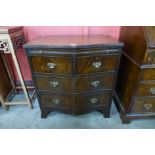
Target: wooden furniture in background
(6,85)
(74,74)
(135,88)
(11,40)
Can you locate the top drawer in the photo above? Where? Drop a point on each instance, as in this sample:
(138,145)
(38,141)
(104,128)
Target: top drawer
(96,64)
(58,65)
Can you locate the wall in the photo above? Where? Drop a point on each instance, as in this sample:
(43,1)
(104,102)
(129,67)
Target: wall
(33,32)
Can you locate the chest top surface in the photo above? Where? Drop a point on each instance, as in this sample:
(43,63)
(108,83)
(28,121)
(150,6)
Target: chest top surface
(73,41)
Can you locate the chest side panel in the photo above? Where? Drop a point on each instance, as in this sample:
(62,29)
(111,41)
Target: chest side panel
(128,75)
(135,45)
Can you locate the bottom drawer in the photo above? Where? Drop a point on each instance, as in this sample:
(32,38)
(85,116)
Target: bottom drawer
(92,100)
(56,100)
(75,101)
(143,105)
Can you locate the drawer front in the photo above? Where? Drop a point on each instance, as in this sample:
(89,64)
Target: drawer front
(92,100)
(54,83)
(93,83)
(146,89)
(95,64)
(143,105)
(150,57)
(76,101)
(57,100)
(57,65)
(76,85)
(148,74)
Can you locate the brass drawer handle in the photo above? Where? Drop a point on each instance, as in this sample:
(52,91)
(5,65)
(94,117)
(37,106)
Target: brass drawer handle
(148,106)
(152,90)
(93,100)
(54,83)
(107,51)
(97,64)
(56,101)
(51,65)
(149,60)
(95,83)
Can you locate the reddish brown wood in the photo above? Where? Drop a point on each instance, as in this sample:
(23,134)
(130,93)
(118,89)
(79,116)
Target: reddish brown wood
(84,75)
(128,75)
(54,83)
(146,89)
(135,90)
(73,41)
(62,65)
(148,74)
(85,64)
(75,84)
(87,83)
(143,105)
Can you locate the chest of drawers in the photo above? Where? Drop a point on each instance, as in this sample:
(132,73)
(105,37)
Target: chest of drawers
(135,88)
(74,74)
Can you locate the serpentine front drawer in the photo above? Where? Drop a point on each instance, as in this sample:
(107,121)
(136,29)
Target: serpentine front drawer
(74,84)
(80,65)
(75,101)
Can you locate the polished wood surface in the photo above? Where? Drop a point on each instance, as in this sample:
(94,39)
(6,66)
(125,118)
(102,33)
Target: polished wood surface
(143,105)
(126,83)
(75,84)
(74,74)
(54,83)
(148,74)
(62,65)
(57,100)
(75,101)
(92,100)
(135,88)
(5,83)
(146,89)
(73,41)
(134,42)
(87,64)
(93,83)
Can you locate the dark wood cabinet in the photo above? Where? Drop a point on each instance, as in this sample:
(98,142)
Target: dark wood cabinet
(135,88)
(74,74)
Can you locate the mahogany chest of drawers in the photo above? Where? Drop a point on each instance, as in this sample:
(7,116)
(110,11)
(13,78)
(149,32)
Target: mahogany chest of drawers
(74,74)
(135,88)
